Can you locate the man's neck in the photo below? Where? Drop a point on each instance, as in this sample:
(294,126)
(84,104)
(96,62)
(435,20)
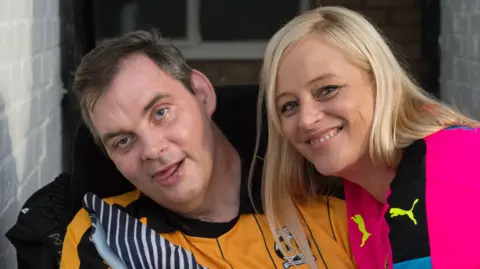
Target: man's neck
(222,200)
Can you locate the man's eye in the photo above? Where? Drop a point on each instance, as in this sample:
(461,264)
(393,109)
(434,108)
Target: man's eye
(123,142)
(160,113)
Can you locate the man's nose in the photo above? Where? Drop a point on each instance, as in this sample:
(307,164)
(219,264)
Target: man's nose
(153,146)
(309,115)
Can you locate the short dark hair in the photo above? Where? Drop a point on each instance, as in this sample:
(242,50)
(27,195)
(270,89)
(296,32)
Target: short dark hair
(99,67)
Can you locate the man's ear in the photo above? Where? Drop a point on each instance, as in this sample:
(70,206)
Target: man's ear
(204,91)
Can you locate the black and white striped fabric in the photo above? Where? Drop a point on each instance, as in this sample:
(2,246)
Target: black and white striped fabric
(126,243)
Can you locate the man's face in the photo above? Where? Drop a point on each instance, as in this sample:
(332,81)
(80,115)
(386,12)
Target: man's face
(158,134)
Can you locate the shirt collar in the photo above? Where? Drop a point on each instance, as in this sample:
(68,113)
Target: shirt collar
(164,221)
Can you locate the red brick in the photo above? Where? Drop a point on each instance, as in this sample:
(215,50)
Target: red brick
(402,35)
(411,65)
(404,16)
(416,68)
(229,72)
(417,33)
(346,3)
(377,16)
(390,3)
(413,51)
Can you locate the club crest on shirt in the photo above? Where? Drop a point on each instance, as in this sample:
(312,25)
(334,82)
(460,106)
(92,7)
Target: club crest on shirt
(290,257)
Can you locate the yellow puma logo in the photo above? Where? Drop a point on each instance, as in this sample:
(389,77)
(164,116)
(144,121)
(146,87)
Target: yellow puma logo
(394,212)
(358,219)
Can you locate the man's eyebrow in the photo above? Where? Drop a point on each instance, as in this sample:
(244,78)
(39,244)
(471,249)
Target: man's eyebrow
(106,137)
(153,101)
(159,96)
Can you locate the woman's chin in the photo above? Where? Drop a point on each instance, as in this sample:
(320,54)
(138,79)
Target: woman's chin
(328,171)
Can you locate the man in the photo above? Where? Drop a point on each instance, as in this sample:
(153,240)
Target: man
(151,113)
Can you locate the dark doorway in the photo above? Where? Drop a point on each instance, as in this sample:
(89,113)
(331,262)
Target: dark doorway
(430,48)
(77,36)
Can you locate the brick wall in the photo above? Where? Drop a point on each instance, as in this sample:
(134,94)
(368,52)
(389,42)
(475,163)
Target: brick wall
(400,20)
(229,72)
(460,55)
(30,94)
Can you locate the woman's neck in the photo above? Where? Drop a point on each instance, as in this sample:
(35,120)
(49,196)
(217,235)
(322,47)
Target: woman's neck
(375,179)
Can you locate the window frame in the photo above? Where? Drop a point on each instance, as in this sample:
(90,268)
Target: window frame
(194,48)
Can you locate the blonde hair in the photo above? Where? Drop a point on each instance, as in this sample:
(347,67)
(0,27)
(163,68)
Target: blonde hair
(403,112)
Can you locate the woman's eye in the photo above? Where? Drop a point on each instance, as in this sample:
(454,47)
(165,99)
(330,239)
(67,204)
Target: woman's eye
(288,106)
(327,91)
(160,113)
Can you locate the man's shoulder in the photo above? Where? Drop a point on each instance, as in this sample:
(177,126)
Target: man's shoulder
(325,205)
(326,215)
(123,199)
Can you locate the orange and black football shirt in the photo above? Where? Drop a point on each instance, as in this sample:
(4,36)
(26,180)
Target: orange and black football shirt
(244,242)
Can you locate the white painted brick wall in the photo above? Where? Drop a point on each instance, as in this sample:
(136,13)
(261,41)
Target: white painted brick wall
(30,119)
(460,54)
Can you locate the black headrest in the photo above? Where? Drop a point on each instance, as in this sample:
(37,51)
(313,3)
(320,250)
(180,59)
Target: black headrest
(94,172)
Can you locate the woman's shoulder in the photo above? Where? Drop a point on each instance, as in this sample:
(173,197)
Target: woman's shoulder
(453,154)
(456,133)
(455,139)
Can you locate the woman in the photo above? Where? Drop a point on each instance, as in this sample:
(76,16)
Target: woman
(340,105)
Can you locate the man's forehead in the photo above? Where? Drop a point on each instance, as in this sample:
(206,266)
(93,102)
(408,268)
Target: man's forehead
(139,65)
(139,72)
(141,80)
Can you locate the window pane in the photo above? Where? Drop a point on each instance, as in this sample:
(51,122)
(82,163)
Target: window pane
(114,17)
(231,20)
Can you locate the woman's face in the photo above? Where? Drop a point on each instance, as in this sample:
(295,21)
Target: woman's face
(326,105)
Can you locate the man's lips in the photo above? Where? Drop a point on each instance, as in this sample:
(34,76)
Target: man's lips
(167,172)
